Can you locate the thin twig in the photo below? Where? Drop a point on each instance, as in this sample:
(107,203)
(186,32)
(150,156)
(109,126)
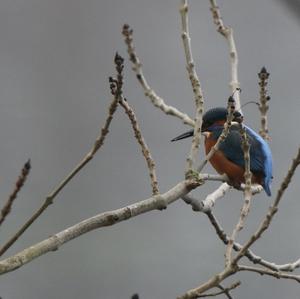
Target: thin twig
(195,82)
(109,218)
(269,272)
(50,198)
(227,32)
(149,92)
(18,186)
(145,150)
(247,197)
(263,106)
(223,291)
(116,91)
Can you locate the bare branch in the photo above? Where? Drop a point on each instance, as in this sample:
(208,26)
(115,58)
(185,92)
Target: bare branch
(50,198)
(18,186)
(247,197)
(211,283)
(223,291)
(144,147)
(150,93)
(116,90)
(209,201)
(195,82)
(269,272)
(263,106)
(227,32)
(157,202)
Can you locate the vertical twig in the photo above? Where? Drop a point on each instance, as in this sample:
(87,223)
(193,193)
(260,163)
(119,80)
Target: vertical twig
(247,197)
(263,106)
(231,107)
(195,82)
(19,184)
(227,32)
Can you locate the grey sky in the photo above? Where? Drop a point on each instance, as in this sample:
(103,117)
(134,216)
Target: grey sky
(55,59)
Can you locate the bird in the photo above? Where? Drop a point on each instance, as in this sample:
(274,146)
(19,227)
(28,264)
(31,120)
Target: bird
(229,158)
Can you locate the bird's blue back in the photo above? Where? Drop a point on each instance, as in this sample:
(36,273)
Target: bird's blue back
(260,153)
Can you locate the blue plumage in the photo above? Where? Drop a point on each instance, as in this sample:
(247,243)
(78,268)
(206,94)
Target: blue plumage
(231,149)
(260,153)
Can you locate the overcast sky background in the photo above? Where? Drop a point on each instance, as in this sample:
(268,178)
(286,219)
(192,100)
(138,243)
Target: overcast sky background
(55,58)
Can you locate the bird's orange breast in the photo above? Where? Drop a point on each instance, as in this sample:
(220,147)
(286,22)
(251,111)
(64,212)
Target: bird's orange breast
(222,165)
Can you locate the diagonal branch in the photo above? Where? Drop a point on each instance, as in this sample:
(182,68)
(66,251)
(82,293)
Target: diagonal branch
(50,198)
(224,291)
(53,243)
(145,150)
(149,92)
(18,186)
(262,271)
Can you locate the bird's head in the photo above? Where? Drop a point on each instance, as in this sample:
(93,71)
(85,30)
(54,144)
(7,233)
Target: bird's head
(213,117)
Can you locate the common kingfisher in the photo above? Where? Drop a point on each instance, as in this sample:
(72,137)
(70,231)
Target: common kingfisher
(229,158)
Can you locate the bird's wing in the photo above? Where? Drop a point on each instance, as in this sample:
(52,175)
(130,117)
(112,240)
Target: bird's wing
(231,147)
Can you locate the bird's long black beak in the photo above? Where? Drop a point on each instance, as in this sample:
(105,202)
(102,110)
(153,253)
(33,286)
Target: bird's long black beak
(184,135)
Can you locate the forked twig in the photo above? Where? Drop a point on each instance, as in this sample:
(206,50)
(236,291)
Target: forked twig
(223,291)
(149,92)
(116,91)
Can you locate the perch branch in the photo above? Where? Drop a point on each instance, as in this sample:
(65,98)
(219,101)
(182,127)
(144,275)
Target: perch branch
(149,92)
(53,243)
(227,32)
(195,82)
(18,186)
